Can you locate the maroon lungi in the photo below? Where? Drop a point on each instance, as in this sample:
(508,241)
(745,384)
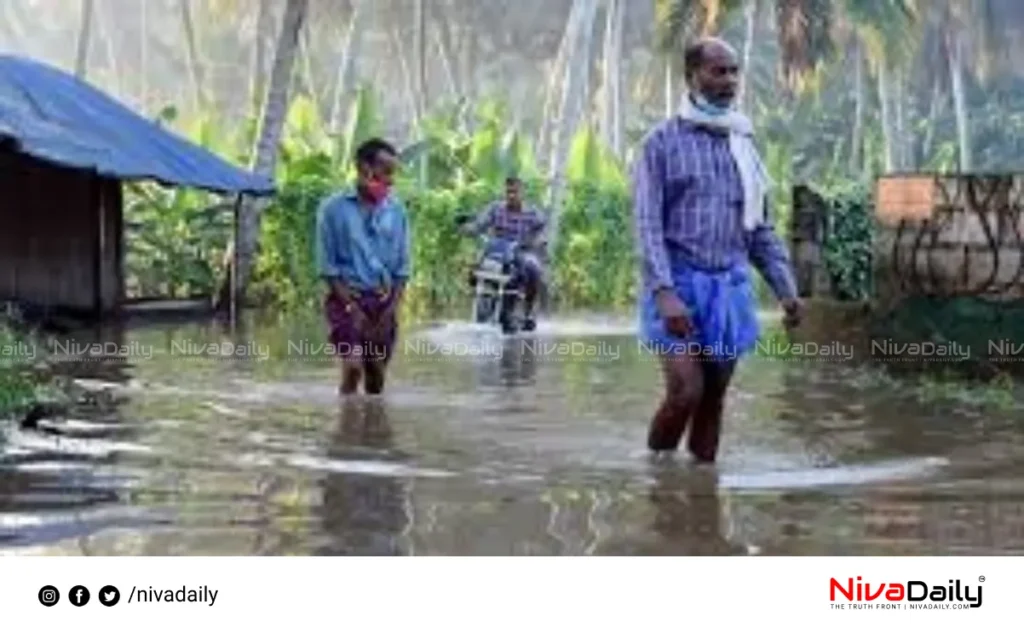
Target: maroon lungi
(374,342)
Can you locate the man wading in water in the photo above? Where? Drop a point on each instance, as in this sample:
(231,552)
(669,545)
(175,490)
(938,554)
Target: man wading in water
(700,196)
(363,251)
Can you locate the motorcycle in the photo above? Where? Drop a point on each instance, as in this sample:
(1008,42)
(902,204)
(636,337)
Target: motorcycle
(497,286)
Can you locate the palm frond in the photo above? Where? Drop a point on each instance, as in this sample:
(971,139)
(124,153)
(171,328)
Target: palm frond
(677,21)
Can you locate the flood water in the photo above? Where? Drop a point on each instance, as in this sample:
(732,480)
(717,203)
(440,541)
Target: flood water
(490,446)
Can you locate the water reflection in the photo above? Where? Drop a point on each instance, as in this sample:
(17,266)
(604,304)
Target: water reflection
(516,366)
(518,362)
(688,515)
(544,452)
(363,514)
(100,353)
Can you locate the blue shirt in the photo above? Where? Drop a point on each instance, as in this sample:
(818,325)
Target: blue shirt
(366,250)
(688,201)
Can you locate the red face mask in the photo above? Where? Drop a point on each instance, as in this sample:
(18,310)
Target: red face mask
(376,190)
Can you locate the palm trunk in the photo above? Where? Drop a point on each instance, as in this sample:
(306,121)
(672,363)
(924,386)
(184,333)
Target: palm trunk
(407,79)
(422,86)
(308,79)
(611,119)
(884,99)
(422,97)
(576,91)
(618,101)
(933,117)
(857,141)
(899,102)
(144,56)
(750,21)
(84,36)
(443,37)
(466,56)
(258,84)
(265,156)
(446,63)
(956,75)
(105,30)
(344,84)
(192,51)
(556,76)
(585,63)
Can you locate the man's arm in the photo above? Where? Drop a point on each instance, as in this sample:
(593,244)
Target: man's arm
(481,222)
(770,256)
(649,217)
(537,234)
(329,253)
(404,270)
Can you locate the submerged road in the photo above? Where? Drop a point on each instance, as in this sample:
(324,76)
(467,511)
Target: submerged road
(482,445)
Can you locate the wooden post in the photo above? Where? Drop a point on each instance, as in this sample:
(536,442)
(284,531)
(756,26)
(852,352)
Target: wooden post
(807,227)
(233,301)
(118,235)
(99,245)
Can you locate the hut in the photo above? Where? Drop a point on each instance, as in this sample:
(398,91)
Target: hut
(66,148)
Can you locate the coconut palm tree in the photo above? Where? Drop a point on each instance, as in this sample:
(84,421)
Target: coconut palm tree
(612,105)
(272,124)
(879,37)
(84,37)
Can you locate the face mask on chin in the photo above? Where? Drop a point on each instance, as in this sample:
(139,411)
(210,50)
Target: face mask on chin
(707,107)
(376,190)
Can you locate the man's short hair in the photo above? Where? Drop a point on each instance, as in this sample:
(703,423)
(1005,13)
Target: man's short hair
(513,179)
(369,150)
(693,57)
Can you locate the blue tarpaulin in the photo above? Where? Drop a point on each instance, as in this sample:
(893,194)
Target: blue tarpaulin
(56,117)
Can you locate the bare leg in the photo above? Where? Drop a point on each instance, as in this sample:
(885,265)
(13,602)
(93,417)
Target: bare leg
(706,427)
(375,372)
(684,386)
(351,376)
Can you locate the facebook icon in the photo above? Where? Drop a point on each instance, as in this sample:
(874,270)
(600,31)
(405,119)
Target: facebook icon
(79,596)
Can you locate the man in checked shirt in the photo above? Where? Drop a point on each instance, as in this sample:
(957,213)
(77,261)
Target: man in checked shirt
(511,220)
(700,194)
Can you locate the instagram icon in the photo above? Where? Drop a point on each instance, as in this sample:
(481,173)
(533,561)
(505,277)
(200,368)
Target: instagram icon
(49,596)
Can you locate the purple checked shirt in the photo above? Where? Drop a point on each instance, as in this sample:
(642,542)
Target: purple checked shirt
(688,201)
(507,224)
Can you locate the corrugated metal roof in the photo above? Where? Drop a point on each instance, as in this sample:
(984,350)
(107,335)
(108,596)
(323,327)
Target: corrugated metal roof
(56,117)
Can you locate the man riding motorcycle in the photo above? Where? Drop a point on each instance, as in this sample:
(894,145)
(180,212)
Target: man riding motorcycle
(509,220)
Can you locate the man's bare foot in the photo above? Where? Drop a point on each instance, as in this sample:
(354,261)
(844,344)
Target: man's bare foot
(701,460)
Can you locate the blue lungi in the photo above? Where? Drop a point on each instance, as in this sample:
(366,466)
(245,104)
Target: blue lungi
(722,307)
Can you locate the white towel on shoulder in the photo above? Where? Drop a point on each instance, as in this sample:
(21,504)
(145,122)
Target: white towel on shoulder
(753,174)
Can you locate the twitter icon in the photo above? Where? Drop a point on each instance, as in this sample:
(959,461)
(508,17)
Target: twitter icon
(109,596)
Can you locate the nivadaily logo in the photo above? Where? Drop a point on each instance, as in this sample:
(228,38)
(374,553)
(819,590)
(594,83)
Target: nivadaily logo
(913,594)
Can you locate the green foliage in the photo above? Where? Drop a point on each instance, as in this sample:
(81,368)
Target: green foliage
(466,171)
(593,260)
(285,270)
(848,247)
(594,264)
(177,240)
(17,380)
(178,247)
(364,123)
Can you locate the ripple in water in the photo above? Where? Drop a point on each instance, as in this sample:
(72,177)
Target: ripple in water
(845,475)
